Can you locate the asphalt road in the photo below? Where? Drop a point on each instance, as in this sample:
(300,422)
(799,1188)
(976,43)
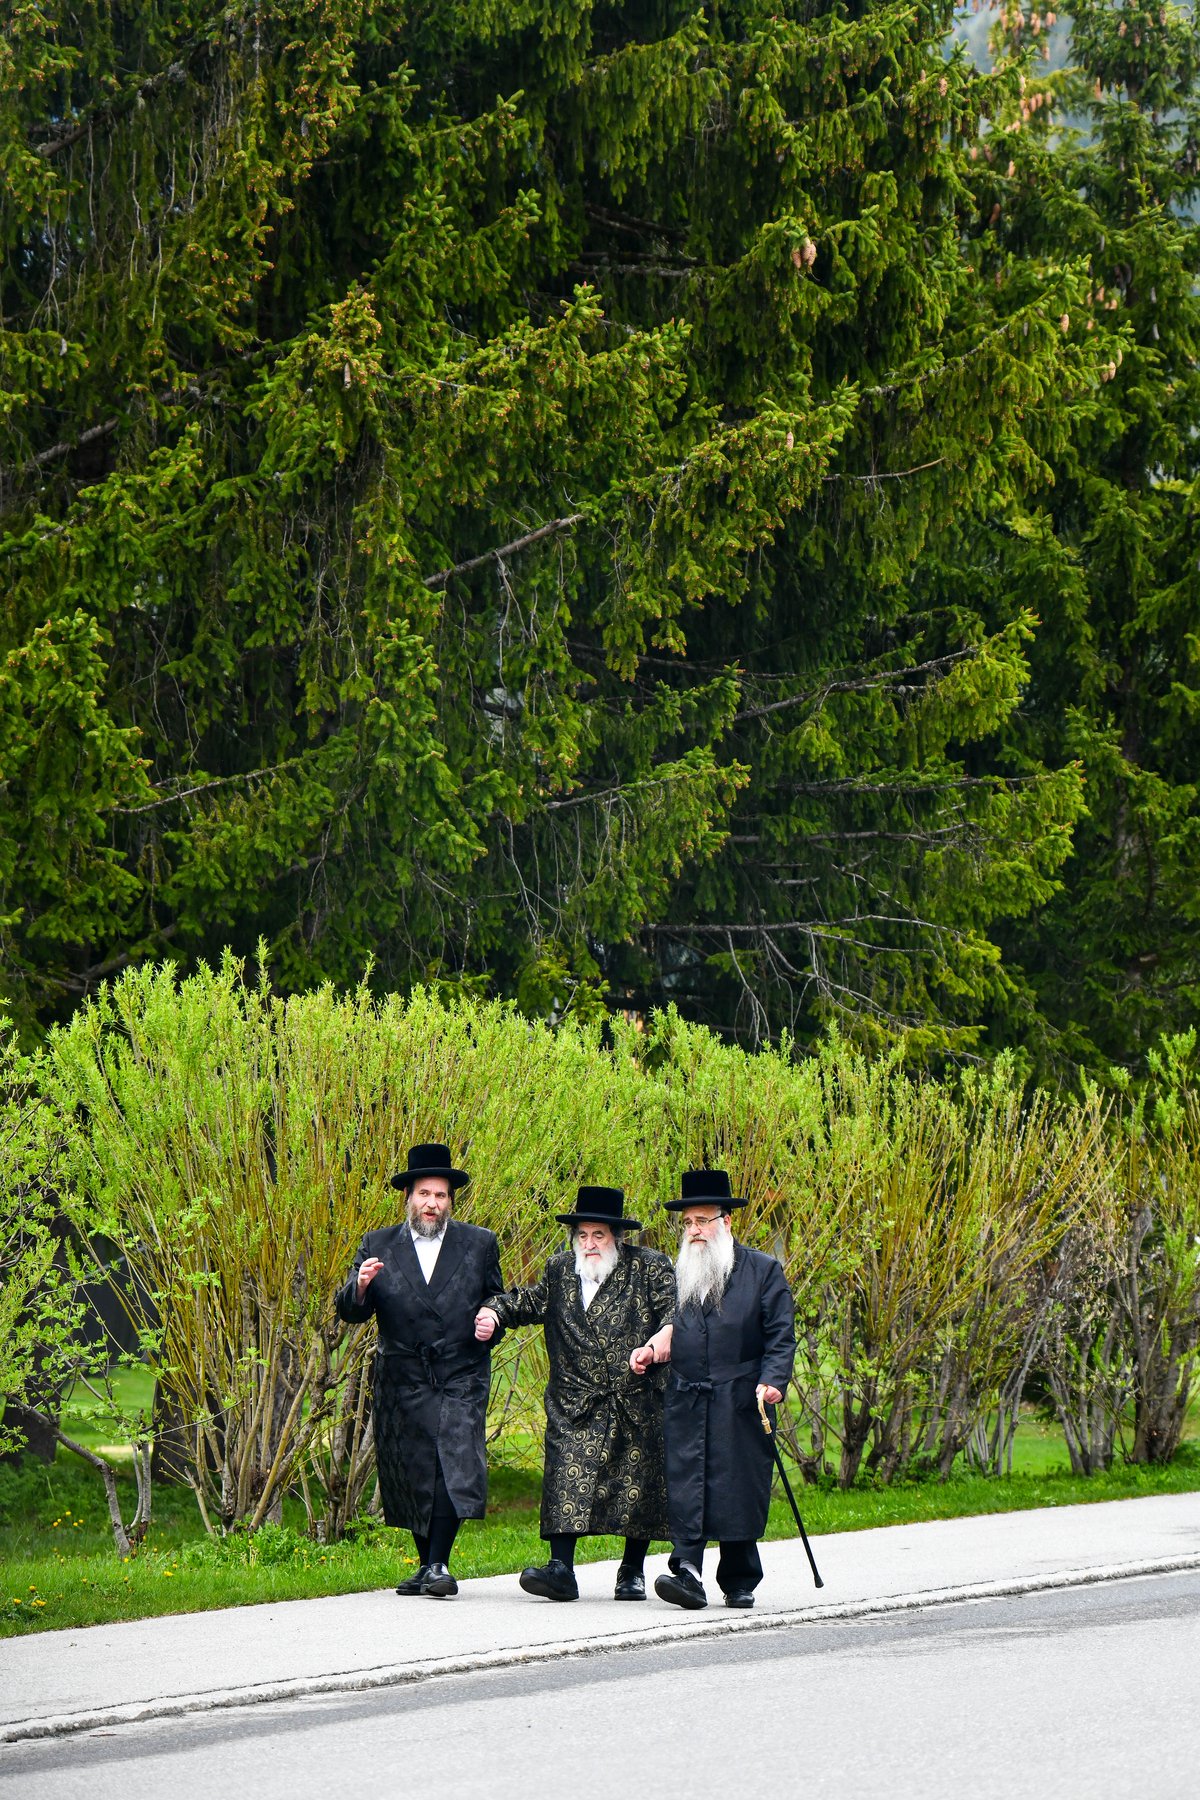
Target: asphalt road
(1087,1693)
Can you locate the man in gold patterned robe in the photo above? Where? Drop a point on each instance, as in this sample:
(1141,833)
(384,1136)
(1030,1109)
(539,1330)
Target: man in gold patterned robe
(604,1463)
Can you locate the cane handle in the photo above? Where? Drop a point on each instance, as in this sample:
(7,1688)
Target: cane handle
(762,1413)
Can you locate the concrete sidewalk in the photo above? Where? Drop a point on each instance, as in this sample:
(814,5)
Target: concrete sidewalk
(62,1681)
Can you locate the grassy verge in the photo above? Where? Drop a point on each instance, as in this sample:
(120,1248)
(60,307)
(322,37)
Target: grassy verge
(57,1567)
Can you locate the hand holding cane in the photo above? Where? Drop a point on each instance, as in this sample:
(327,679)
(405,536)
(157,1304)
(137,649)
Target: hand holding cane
(787,1488)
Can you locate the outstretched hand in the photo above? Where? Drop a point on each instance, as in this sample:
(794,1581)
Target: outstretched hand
(368,1269)
(486,1323)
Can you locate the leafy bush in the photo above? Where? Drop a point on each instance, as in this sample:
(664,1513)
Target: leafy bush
(943,1240)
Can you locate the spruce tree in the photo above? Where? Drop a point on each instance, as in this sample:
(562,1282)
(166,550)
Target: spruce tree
(1100,162)
(485,493)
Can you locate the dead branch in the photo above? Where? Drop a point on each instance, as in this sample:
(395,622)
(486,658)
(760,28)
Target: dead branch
(503,550)
(65,448)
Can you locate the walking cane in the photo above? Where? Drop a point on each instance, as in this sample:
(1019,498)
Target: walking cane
(787,1488)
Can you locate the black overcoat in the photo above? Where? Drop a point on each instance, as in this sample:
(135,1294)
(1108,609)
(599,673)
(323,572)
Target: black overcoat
(431,1376)
(603,1470)
(719,1461)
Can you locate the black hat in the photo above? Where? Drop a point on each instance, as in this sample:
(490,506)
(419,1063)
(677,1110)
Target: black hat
(430,1159)
(600,1206)
(704,1187)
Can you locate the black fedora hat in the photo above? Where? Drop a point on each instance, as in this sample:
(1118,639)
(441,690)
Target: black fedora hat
(430,1159)
(600,1206)
(704,1187)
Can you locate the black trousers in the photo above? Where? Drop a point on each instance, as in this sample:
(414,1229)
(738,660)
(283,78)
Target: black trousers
(739,1570)
(443,1525)
(562,1546)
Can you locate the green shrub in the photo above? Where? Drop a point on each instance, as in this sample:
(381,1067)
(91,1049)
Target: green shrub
(943,1240)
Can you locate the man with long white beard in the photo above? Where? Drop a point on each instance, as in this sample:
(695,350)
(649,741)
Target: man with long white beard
(424,1281)
(731,1344)
(603,1471)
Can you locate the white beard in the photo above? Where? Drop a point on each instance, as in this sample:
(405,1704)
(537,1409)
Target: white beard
(598,1268)
(702,1270)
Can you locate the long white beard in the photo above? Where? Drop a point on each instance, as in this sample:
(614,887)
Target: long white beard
(702,1270)
(597,1268)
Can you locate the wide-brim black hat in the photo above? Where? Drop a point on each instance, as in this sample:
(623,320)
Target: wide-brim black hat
(704,1187)
(430,1159)
(600,1206)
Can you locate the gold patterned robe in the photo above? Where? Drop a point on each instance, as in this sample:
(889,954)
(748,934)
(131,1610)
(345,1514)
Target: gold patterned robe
(604,1470)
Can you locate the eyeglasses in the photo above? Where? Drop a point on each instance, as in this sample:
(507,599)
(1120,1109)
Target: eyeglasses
(696,1221)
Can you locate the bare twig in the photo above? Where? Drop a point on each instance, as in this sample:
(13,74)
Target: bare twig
(503,550)
(881,678)
(120,1535)
(65,448)
(888,474)
(203,787)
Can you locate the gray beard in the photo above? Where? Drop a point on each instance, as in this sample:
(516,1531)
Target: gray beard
(421,1227)
(702,1270)
(601,1269)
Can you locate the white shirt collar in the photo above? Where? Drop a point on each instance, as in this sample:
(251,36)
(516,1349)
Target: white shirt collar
(427,1250)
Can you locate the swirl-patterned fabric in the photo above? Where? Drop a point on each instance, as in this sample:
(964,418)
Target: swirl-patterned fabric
(604,1470)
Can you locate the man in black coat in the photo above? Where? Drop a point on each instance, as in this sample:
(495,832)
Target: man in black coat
(603,1472)
(731,1344)
(425,1281)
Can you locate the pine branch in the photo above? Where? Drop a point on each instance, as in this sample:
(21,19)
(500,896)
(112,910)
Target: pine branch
(203,787)
(886,474)
(882,678)
(604,263)
(617,790)
(104,115)
(503,550)
(995,782)
(724,666)
(85,979)
(623,221)
(885,389)
(68,445)
(834,929)
(946,835)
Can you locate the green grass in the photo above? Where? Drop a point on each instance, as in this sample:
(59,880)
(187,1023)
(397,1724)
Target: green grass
(57,1567)
(89,1421)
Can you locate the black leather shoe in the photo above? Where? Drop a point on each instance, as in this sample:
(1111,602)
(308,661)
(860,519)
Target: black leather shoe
(553,1582)
(415,1583)
(631,1584)
(740,1597)
(681,1590)
(439,1583)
